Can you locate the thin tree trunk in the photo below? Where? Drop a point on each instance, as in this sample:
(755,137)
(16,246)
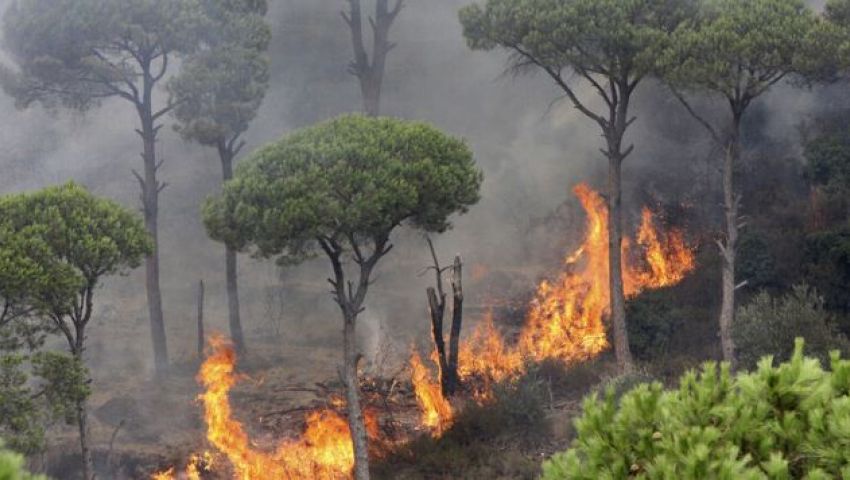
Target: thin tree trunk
(728,248)
(352,393)
(77,349)
(200,319)
(350,301)
(457,321)
(615,271)
(231,269)
(150,203)
(82,422)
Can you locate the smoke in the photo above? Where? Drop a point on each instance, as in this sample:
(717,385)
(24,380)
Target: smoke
(531,146)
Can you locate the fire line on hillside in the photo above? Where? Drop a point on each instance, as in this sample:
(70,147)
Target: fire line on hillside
(565,321)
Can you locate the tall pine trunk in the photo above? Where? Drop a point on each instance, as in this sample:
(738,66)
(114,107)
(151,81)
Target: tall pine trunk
(615,266)
(352,393)
(231,268)
(85,449)
(150,204)
(614,134)
(80,404)
(728,250)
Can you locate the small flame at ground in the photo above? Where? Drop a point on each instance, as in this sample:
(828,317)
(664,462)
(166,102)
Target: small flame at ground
(566,319)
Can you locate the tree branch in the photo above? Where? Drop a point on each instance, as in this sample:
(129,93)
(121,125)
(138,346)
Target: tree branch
(561,83)
(711,130)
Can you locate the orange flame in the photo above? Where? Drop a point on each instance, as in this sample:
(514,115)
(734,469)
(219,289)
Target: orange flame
(436,411)
(324,452)
(565,321)
(668,257)
(485,354)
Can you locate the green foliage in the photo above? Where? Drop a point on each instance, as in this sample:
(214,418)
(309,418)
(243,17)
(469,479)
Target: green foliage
(64,381)
(755,262)
(35,391)
(345,179)
(220,87)
(828,160)
(779,422)
(89,236)
(653,320)
(21,420)
(768,326)
(12,467)
(826,149)
(60,242)
(77,52)
(613,38)
(740,48)
(826,265)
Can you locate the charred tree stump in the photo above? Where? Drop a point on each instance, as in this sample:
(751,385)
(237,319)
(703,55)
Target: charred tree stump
(446,361)
(452,380)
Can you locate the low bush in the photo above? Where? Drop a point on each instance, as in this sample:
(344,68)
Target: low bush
(623,383)
(491,440)
(652,322)
(778,422)
(572,381)
(12,467)
(768,326)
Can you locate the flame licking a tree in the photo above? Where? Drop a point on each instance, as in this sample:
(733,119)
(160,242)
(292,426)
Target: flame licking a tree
(566,319)
(436,411)
(324,451)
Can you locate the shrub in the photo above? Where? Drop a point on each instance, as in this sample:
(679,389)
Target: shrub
(509,423)
(779,422)
(826,265)
(623,383)
(652,321)
(768,326)
(571,381)
(12,467)
(757,263)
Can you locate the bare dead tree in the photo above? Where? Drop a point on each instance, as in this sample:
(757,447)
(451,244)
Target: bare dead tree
(446,361)
(370,71)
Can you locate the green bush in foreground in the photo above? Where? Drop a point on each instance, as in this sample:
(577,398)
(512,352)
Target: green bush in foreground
(783,422)
(12,467)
